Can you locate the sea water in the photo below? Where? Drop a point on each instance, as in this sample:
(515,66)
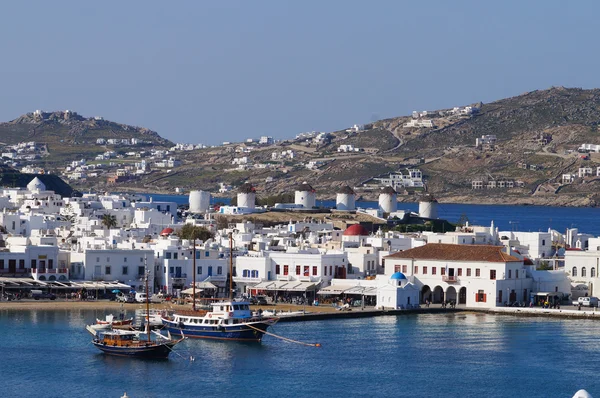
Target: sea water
(47,353)
(505,217)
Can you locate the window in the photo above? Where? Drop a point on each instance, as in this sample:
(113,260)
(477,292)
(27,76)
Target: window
(22,264)
(34,264)
(493,275)
(306,268)
(141,270)
(459,272)
(325,271)
(107,270)
(477,272)
(424,270)
(583,271)
(500,295)
(416,269)
(245,273)
(314,270)
(171,270)
(175,256)
(168,255)
(285,269)
(108,259)
(277,270)
(206,254)
(1,264)
(141,259)
(543,242)
(574,271)
(124,259)
(97,259)
(255,274)
(297,270)
(593,272)
(480,297)
(397,268)
(219,270)
(125,270)
(443,271)
(468,271)
(331,270)
(404,268)
(509,273)
(433,270)
(199,270)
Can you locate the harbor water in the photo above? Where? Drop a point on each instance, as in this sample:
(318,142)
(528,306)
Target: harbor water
(48,353)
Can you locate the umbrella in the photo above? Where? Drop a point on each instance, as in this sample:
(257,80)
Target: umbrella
(116,291)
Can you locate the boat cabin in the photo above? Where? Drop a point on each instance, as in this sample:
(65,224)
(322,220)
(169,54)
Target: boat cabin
(119,339)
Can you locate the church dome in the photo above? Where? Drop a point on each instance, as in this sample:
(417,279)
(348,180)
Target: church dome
(36,185)
(398,275)
(356,230)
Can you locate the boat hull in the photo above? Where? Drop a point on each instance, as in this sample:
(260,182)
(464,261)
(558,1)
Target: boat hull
(238,332)
(160,351)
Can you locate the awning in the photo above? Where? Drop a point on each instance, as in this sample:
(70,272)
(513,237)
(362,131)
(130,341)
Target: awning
(290,286)
(205,285)
(334,289)
(362,290)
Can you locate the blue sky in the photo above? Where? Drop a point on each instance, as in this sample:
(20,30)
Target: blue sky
(207,72)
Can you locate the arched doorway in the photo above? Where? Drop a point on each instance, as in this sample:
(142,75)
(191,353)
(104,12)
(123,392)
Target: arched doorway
(451,294)
(438,295)
(425,294)
(462,295)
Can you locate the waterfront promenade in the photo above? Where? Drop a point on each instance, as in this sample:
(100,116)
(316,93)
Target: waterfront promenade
(312,312)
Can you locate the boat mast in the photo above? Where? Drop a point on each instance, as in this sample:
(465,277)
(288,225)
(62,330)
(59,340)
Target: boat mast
(231,266)
(147,301)
(194,277)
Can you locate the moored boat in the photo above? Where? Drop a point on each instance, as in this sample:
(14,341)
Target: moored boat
(227,320)
(110,322)
(127,343)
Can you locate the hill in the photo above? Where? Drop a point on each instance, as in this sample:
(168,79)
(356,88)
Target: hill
(66,135)
(523,149)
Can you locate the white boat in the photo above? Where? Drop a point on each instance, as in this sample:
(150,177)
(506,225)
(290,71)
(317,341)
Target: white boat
(227,320)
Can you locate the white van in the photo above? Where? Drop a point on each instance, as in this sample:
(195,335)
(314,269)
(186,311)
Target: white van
(588,301)
(140,297)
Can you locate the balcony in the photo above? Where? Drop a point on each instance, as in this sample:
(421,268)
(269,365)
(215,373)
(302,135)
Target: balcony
(449,279)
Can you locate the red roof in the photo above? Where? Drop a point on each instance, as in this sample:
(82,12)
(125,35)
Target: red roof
(167,231)
(448,252)
(356,230)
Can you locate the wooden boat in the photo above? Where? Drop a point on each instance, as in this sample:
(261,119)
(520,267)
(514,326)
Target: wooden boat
(128,343)
(110,322)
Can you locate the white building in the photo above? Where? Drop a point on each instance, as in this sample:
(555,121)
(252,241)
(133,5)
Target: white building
(398,293)
(475,275)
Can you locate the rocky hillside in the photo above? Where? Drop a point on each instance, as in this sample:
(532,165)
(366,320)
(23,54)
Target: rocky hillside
(534,157)
(68,135)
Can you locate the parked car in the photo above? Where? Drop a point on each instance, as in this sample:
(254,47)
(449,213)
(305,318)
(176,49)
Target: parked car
(124,298)
(588,301)
(261,300)
(140,297)
(39,295)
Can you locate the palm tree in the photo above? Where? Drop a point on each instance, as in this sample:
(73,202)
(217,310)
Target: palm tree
(109,221)
(193,232)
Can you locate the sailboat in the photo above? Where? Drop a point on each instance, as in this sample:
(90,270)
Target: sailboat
(226,320)
(130,343)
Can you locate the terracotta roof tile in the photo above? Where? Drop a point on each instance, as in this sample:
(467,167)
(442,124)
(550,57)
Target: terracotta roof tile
(449,252)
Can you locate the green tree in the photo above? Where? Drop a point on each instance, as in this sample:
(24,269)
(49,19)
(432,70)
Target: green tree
(109,221)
